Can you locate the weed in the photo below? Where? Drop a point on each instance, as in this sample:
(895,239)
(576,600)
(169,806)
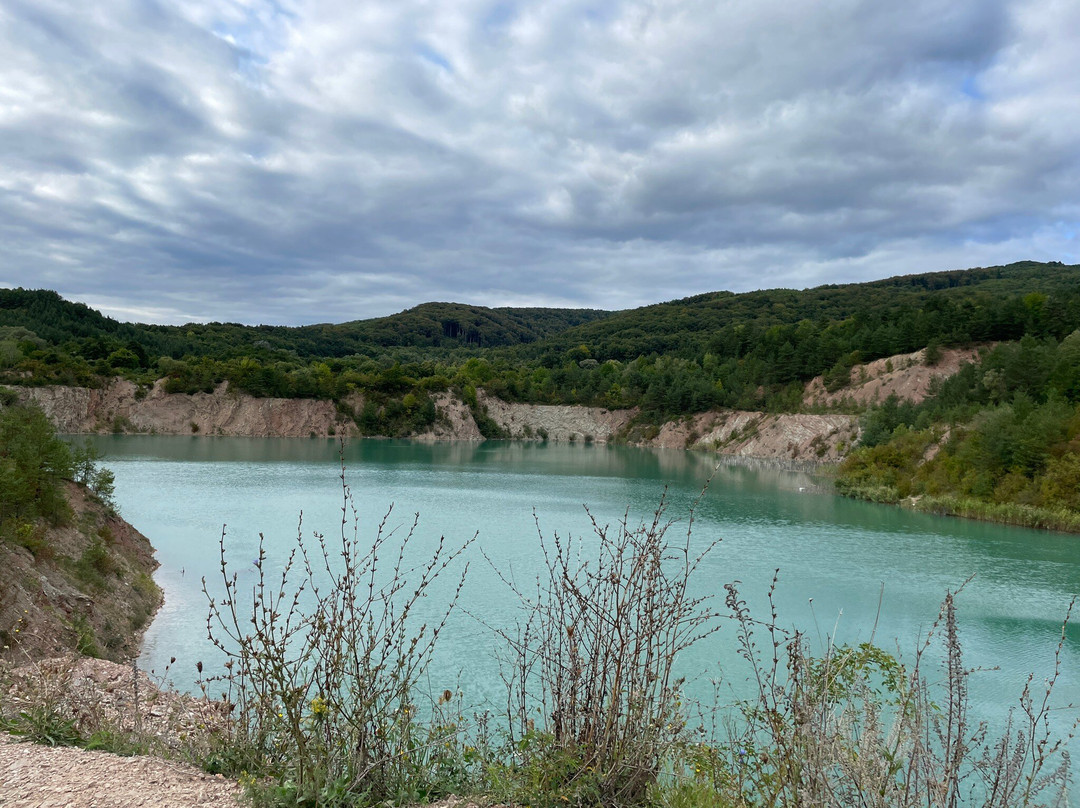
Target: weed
(95,565)
(44,725)
(856,727)
(593,699)
(322,675)
(85,639)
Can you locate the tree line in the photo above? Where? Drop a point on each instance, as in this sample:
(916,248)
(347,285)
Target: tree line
(748,351)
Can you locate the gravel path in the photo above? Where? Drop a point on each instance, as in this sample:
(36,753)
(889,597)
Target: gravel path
(33,776)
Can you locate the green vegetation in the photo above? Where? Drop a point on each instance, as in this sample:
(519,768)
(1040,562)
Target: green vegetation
(73,550)
(747,351)
(1013,449)
(34,463)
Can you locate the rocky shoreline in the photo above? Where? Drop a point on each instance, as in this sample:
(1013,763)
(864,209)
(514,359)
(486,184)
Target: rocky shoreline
(801,439)
(123,409)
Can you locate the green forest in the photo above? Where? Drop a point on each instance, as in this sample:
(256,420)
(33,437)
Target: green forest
(34,464)
(1011,419)
(999,440)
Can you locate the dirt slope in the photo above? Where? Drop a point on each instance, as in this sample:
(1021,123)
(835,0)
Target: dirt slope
(455,421)
(907,376)
(785,437)
(84,584)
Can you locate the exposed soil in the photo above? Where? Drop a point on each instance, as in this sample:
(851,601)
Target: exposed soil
(907,376)
(99,695)
(788,437)
(454,422)
(85,584)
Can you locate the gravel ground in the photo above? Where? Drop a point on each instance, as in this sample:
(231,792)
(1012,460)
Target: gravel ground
(48,777)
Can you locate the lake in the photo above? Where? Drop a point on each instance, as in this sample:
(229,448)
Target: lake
(844,566)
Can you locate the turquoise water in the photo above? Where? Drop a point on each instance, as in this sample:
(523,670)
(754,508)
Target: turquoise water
(844,566)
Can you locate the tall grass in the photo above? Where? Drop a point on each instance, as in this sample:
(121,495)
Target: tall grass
(1009,513)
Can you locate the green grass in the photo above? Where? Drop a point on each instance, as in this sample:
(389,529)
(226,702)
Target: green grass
(1008,513)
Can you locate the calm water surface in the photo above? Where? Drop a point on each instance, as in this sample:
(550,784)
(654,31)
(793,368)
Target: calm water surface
(835,556)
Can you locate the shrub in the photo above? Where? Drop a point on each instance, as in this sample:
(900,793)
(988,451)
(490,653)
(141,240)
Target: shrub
(33,464)
(94,565)
(856,727)
(323,673)
(594,661)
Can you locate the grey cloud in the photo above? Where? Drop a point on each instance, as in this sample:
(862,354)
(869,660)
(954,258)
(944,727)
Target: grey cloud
(303,161)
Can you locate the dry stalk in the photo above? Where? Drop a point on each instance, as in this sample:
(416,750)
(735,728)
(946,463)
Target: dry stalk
(857,728)
(595,658)
(323,659)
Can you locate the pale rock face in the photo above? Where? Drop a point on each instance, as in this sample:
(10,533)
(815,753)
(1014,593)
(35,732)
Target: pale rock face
(905,376)
(116,408)
(802,438)
(455,422)
(559,423)
(786,437)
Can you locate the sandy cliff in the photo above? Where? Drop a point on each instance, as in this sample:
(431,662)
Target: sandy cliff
(906,376)
(455,421)
(556,422)
(801,437)
(120,407)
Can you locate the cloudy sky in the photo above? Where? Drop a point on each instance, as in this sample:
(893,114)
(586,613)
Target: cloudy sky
(295,162)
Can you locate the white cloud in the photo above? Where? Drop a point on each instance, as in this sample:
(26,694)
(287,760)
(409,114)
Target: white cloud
(292,161)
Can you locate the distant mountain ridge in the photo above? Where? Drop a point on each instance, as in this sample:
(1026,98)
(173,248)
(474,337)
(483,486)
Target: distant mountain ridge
(673,326)
(429,325)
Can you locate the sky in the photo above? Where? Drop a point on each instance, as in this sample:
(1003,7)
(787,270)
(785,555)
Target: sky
(293,162)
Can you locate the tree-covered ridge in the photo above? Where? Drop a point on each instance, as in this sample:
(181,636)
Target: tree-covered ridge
(878,318)
(430,325)
(745,351)
(1000,439)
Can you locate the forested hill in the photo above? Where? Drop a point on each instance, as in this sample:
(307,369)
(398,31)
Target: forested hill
(877,318)
(430,325)
(745,351)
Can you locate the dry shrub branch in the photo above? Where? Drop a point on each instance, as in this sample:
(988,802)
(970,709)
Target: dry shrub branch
(855,727)
(324,658)
(595,658)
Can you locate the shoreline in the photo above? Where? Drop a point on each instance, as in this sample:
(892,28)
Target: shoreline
(798,442)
